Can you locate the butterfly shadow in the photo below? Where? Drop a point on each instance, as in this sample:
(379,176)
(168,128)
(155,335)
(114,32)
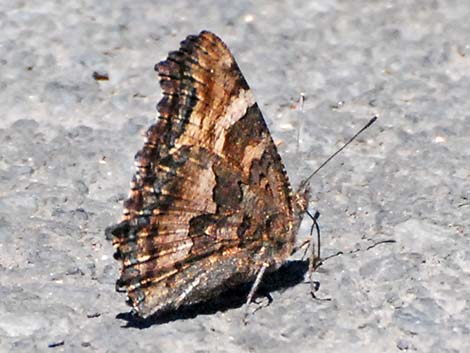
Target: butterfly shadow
(288,275)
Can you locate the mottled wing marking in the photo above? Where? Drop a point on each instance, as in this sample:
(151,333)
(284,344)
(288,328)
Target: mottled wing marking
(210,201)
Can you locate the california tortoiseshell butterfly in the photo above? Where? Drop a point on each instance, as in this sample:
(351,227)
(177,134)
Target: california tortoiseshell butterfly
(210,204)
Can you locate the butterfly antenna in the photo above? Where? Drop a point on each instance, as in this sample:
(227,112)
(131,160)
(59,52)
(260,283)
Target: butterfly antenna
(371,121)
(300,109)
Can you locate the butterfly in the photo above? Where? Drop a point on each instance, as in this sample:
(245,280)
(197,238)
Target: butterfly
(210,205)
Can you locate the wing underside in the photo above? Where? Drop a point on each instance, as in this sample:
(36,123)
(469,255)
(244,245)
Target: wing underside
(210,201)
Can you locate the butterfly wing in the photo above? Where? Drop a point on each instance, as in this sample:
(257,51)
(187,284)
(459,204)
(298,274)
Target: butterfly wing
(210,201)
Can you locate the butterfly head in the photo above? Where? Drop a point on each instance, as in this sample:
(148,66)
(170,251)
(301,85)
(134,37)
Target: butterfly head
(301,198)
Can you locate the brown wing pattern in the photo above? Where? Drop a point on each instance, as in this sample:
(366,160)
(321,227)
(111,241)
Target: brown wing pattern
(210,201)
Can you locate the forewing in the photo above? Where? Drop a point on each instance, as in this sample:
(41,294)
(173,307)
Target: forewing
(209,187)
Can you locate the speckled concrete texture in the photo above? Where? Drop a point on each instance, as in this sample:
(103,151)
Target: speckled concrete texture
(395,206)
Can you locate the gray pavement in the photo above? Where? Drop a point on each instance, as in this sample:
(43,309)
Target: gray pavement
(395,206)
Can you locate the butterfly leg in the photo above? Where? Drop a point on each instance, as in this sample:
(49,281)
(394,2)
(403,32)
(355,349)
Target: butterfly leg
(253,289)
(315,257)
(315,260)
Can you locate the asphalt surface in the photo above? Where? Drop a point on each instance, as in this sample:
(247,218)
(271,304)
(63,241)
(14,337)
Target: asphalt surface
(395,206)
